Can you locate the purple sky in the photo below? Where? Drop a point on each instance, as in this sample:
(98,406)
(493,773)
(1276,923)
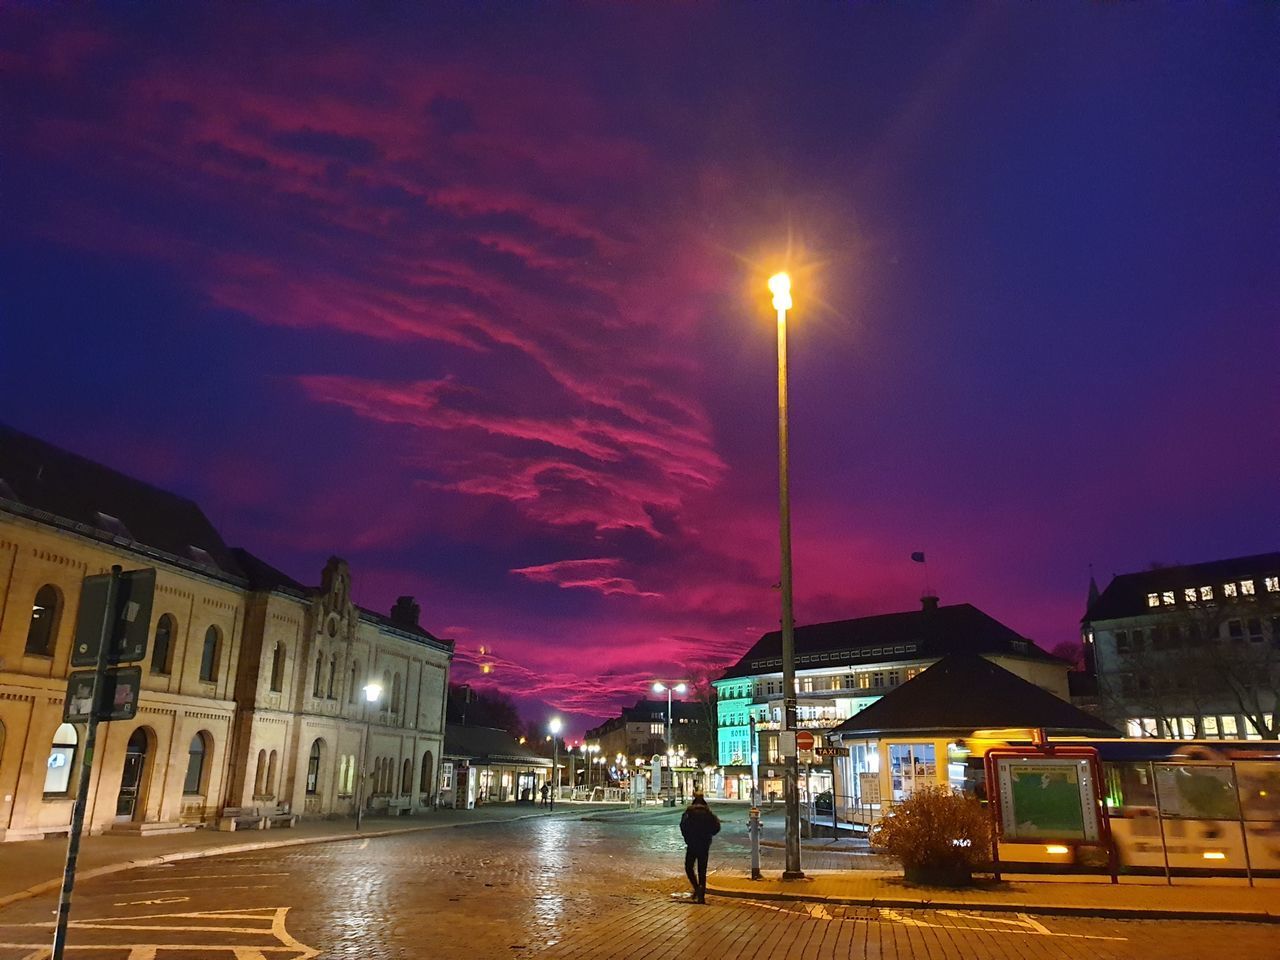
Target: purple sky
(478,302)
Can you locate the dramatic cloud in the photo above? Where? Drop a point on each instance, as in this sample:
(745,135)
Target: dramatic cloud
(476,300)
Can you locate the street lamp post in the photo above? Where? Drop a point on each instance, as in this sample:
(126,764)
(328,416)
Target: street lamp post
(659,687)
(780,287)
(554,726)
(372,693)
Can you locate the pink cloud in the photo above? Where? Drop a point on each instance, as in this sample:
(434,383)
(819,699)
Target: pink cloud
(599,574)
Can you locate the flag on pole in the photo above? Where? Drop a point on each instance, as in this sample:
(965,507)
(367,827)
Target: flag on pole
(918,557)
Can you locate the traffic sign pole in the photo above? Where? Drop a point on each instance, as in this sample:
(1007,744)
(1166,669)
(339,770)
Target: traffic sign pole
(86,768)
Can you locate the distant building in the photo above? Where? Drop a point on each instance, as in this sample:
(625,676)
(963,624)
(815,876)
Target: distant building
(252,683)
(640,731)
(843,667)
(1189,651)
(488,765)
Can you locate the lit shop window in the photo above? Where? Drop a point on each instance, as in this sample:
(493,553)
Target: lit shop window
(1229,590)
(1153,599)
(62,755)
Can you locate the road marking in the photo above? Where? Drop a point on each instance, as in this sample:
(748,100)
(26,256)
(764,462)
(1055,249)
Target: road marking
(1024,925)
(266,924)
(138,903)
(363,845)
(205,876)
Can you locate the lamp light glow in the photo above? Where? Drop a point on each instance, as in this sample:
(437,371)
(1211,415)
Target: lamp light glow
(780,287)
(372,692)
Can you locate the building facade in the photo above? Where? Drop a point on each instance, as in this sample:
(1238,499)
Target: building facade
(639,732)
(1189,651)
(252,683)
(843,667)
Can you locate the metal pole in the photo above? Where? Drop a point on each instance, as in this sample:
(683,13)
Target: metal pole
(555,764)
(1244,834)
(86,768)
(790,786)
(364,764)
(1164,843)
(756,795)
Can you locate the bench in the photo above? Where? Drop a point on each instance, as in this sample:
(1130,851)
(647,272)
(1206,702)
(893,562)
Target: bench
(399,807)
(241,818)
(282,817)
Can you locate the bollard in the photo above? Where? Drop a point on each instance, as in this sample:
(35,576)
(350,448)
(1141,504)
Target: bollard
(753,830)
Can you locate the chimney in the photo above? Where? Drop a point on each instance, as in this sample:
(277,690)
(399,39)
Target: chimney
(929,602)
(405,613)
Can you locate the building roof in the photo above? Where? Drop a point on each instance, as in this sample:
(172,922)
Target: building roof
(1126,594)
(53,486)
(651,711)
(962,693)
(488,745)
(263,576)
(914,634)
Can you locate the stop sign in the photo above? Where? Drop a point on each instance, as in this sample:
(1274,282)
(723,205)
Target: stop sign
(804,740)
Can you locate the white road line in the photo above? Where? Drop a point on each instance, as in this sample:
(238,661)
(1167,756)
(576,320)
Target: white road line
(205,876)
(136,903)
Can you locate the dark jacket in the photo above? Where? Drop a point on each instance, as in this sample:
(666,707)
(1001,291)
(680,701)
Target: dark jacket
(699,824)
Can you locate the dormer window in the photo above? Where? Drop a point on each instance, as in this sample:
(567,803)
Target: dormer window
(111,525)
(201,556)
(1229,590)
(1206,592)
(1246,588)
(1272,584)
(1166,598)
(1189,594)
(1153,599)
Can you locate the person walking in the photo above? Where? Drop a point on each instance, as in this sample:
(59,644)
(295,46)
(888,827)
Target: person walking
(698,825)
(546,794)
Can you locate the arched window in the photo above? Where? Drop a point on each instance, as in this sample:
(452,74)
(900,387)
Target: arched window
(196,754)
(277,668)
(162,646)
(45,611)
(313,769)
(352,689)
(209,656)
(271,774)
(260,777)
(424,776)
(406,777)
(317,683)
(333,673)
(62,757)
(386,687)
(395,694)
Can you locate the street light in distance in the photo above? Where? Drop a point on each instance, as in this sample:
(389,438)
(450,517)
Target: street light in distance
(555,727)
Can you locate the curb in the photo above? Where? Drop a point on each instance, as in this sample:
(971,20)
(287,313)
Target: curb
(1058,910)
(49,886)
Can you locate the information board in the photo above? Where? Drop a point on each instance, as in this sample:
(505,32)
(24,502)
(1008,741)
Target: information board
(1196,791)
(1048,798)
(119,696)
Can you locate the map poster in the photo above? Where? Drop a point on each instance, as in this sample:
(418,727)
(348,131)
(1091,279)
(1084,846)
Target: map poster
(1048,798)
(1196,791)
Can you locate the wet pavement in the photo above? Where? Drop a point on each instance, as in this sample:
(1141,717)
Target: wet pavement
(553,887)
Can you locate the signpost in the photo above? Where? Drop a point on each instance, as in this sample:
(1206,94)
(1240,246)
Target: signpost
(112,625)
(804,740)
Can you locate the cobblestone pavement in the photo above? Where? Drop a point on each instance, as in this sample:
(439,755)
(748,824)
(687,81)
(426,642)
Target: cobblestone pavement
(553,888)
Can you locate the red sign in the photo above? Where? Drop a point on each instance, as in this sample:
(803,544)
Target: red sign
(804,740)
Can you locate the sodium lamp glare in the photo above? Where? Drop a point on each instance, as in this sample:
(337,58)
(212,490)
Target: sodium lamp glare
(780,287)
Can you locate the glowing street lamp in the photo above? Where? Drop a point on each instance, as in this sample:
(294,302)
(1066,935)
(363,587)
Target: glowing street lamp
(372,694)
(780,287)
(555,726)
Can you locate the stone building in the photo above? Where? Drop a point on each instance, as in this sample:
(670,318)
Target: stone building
(252,683)
(1189,651)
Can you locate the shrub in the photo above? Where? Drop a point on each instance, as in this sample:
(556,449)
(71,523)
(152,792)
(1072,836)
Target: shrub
(936,829)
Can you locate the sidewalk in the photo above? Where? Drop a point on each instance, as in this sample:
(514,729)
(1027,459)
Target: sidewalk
(1132,898)
(30,868)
